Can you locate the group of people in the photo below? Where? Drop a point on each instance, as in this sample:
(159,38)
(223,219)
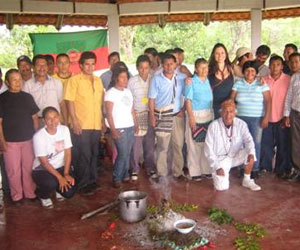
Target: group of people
(223,115)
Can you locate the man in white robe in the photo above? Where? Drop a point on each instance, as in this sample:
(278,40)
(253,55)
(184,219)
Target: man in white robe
(228,144)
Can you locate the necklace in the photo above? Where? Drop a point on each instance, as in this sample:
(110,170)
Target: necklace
(228,135)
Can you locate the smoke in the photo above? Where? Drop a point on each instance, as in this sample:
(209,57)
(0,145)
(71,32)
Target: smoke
(163,185)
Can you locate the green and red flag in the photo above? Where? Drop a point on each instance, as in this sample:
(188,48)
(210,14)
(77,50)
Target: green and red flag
(73,44)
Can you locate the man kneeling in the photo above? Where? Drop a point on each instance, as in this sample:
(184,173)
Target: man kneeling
(228,144)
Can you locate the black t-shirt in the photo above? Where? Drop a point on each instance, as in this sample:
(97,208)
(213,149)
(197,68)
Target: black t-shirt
(16,110)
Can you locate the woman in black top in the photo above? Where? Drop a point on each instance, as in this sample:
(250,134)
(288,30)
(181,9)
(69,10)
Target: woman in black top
(220,76)
(18,122)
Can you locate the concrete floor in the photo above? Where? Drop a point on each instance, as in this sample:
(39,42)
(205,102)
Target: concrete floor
(276,208)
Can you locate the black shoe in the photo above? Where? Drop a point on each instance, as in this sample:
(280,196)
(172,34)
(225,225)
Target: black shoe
(33,199)
(18,203)
(86,191)
(95,186)
(254,175)
(180,178)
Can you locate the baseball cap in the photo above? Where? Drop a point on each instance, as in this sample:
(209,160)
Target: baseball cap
(23,58)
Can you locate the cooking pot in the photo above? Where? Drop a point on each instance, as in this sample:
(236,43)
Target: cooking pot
(133,205)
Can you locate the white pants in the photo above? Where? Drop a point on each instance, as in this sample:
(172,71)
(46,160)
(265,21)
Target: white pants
(222,182)
(197,162)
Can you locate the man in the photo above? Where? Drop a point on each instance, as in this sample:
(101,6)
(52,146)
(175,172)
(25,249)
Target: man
(25,67)
(63,74)
(84,96)
(50,63)
(153,57)
(145,139)
(243,55)
(289,49)
(166,115)
(113,58)
(262,54)
(294,63)
(46,90)
(179,54)
(275,135)
(228,144)
(292,120)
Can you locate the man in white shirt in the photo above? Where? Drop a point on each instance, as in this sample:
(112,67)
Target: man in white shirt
(46,90)
(262,54)
(145,139)
(292,120)
(228,144)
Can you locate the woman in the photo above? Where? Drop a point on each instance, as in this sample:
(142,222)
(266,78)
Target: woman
(121,120)
(199,109)
(51,168)
(220,76)
(253,106)
(18,121)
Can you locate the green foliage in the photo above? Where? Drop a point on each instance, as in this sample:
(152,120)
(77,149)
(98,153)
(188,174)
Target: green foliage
(16,42)
(251,229)
(247,243)
(173,205)
(220,216)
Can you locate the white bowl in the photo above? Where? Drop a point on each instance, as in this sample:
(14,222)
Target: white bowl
(184,226)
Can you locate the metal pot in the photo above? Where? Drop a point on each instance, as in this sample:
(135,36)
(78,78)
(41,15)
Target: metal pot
(133,206)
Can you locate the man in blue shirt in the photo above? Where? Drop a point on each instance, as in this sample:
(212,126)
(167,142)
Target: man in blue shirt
(166,111)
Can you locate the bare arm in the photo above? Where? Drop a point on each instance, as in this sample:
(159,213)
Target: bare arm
(151,112)
(76,125)
(64,185)
(2,138)
(190,113)
(267,101)
(136,125)
(233,94)
(109,107)
(35,120)
(68,156)
(64,112)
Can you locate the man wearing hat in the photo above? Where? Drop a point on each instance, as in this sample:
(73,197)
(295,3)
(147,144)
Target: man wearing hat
(243,55)
(228,144)
(25,66)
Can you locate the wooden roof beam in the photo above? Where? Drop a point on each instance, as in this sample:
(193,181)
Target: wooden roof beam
(144,8)
(47,7)
(12,6)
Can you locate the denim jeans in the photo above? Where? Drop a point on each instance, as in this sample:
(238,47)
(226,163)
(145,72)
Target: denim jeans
(275,136)
(256,133)
(124,145)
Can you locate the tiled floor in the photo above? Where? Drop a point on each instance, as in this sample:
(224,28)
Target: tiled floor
(276,208)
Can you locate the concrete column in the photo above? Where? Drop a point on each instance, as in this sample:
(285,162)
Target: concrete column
(256,20)
(113,33)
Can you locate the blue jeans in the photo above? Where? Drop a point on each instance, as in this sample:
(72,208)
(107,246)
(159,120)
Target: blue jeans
(256,132)
(275,136)
(124,145)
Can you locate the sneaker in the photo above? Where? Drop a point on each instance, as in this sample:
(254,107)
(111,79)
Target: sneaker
(134,177)
(153,175)
(196,178)
(251,185)
(59,197)
(47,203)
(208,176)
(117,184)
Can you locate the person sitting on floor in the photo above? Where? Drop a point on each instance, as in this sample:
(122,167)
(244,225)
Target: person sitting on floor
(52,165)
(228,144)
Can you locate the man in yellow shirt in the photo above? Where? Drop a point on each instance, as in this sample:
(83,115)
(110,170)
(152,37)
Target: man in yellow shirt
(63,74)
(84,95)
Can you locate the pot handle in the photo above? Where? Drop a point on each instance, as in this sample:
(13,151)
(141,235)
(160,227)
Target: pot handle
(137,204)
(127,204)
